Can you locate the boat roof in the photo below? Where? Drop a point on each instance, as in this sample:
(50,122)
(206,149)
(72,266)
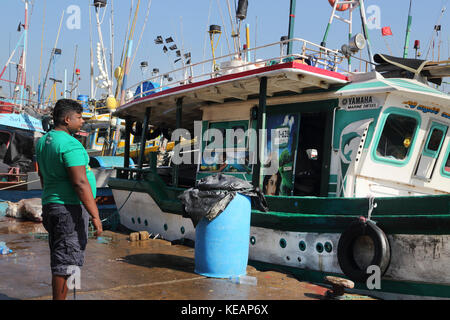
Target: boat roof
(21,121)
(410,87)
(291,76)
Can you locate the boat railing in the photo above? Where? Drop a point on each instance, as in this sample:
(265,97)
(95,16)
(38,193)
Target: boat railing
(247,59)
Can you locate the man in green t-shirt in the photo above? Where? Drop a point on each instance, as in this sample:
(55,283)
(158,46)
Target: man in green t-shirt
(69,190)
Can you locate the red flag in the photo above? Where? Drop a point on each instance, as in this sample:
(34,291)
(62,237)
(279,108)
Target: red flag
(386,31)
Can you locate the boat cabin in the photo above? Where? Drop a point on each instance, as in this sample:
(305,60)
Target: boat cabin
(296,127)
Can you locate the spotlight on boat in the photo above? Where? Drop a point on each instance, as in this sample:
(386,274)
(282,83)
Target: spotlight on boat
(356,43)
(99,3)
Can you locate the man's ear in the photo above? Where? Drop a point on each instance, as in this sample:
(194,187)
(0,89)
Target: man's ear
(67,119)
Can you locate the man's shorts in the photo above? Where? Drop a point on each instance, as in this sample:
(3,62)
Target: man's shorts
(67,227)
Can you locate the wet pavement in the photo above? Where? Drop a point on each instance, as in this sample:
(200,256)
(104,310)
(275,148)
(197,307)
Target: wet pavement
(118,269)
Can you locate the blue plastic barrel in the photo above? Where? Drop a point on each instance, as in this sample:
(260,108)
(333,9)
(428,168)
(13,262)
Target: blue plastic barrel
(221,245)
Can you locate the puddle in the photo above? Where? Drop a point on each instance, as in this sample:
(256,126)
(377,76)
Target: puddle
(12,225)
(102,240)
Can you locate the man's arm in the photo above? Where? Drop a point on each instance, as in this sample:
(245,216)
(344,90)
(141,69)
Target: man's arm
(42,179)
(82,187)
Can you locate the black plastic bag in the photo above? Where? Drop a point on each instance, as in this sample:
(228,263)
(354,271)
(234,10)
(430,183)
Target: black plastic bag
(214,193)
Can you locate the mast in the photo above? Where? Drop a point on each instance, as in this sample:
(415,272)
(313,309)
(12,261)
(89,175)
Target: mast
(291,26)
(24,56)
(408,32)
(42,48)
(91,62)
(51,57)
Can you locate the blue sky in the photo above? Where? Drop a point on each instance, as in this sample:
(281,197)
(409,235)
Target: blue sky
(187,22)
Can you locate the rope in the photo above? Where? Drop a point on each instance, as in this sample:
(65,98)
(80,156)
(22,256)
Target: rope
(20,184)
(372,205)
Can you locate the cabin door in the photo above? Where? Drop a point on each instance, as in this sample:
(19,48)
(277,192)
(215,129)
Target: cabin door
(431,150)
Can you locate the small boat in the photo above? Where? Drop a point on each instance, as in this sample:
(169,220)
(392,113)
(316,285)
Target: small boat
(355,166)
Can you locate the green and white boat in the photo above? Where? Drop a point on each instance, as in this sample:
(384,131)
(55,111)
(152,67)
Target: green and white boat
(362,185)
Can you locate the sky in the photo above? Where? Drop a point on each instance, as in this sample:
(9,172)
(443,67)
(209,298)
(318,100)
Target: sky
(187,23)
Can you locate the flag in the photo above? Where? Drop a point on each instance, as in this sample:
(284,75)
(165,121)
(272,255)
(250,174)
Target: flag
(178,53)
(177,60)
(187,55)
(158,40)
(386,31)
(174,47)
(165,49)
(169,40)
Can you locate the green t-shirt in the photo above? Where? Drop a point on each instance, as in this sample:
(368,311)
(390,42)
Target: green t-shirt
(56,151)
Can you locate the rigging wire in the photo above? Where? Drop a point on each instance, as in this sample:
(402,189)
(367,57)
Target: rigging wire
(232,26)
(206,35)
(126,33)
(119,80)
(142,31)
(42,42)
(224,27)
(437,23)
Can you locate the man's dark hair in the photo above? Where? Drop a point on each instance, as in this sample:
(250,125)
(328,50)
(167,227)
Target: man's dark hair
(63,107)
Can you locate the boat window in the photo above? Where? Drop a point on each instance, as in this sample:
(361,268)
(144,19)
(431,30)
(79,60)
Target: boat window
(234,158)
(102,133)
(397,136)
(435,139)
(446,168)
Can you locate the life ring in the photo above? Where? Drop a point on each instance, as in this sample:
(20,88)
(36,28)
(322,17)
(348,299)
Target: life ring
(346,258)
(340,7)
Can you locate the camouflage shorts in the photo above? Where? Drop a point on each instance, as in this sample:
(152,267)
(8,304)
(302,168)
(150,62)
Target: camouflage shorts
(67,227)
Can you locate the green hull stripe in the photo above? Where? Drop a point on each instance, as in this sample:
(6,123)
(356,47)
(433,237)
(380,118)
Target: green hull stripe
(389,286)
(395,215)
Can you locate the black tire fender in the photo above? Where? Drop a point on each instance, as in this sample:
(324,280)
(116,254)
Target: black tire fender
(382,254)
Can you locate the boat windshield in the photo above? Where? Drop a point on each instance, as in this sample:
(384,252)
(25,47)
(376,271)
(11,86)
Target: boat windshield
(397,136)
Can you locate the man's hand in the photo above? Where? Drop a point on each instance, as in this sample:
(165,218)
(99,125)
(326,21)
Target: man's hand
(82,187)
(97,226)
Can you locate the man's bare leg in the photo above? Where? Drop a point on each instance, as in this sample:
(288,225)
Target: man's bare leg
(59,286)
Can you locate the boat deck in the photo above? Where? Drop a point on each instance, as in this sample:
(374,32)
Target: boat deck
(118,269)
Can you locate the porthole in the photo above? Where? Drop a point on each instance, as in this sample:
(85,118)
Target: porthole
(302,245)
(319,247)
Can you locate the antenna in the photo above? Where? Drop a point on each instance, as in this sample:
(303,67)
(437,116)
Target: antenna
(433,34)
(213,31)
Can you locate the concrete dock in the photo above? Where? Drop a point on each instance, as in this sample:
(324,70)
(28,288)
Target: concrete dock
(119,269)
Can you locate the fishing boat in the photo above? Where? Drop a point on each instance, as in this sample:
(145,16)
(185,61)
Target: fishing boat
(355,166)
(20,123)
